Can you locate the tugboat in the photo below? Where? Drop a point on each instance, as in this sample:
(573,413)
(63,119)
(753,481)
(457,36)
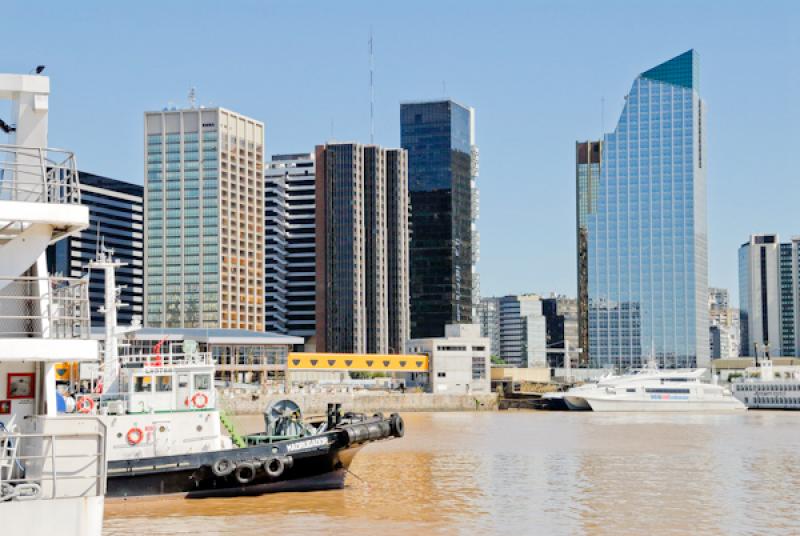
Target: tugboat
(164,431)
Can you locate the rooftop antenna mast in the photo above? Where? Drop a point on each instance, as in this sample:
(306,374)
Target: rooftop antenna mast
(371,91)
(193,98)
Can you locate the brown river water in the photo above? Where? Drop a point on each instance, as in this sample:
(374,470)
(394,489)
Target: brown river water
(529,473)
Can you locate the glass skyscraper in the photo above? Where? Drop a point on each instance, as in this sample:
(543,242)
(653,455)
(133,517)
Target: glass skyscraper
(647,238)
(442,166)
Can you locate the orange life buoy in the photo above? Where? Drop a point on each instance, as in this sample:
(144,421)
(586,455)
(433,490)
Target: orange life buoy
(135,436)
(85,404)
(200,400)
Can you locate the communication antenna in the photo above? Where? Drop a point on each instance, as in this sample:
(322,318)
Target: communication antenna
(371,91)
(193,98)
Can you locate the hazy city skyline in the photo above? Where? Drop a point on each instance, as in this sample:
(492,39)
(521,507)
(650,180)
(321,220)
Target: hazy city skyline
(532,101)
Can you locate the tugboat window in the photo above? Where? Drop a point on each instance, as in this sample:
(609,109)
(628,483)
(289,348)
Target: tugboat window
(142,384)
(163,384)
(202,382)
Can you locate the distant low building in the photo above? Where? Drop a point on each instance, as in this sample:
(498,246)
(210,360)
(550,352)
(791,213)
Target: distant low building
(561,316)
(723,325)
(459,361)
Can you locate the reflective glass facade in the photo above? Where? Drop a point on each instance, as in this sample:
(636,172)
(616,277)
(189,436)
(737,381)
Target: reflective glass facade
(647,239)
(438,136)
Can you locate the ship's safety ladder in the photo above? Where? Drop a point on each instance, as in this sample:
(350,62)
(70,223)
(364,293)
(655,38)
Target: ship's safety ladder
(235,437)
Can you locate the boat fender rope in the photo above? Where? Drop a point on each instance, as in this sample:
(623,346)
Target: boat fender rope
(222,467)
(274,467)
(85,404)
(245,472)
(134,436)
(199,400)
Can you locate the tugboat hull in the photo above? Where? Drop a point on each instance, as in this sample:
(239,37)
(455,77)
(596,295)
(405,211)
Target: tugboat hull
(310,463)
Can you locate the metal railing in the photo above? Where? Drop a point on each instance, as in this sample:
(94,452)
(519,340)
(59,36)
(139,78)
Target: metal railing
(58,471)
(166,360)
(45,307)
(38,175)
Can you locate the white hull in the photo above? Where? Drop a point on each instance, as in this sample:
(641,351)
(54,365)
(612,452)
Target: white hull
(72,516)
(731,404)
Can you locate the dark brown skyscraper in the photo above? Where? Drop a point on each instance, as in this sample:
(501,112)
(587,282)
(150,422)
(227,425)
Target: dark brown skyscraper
(588,157)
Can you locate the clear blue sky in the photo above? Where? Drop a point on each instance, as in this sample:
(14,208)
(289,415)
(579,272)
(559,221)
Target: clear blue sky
(535,72)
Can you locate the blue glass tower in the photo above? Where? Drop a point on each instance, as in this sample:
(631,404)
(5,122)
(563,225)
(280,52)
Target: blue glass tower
(647,239)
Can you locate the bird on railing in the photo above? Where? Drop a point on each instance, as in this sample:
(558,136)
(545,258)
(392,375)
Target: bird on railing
(5,127)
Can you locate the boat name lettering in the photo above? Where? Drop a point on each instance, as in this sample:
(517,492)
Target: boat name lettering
(307,444)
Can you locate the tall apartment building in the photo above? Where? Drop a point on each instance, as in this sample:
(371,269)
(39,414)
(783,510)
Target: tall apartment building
(204,224)
(723,325)
(769,296)
(361,248)
(561,316)
(116,220)
(647,238)
(442,169)
(588,160)
(290,224)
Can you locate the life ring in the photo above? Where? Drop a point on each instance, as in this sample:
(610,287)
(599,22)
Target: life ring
(85,404)
(199,400)
(134,436)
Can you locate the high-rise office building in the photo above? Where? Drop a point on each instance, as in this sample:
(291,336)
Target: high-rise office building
(204,220)
(561,315)
(361,248)
(588,160)
(647,238)
(116,221)
(523,331)
(488,317)
(290,245)
(442,167)
(768,296)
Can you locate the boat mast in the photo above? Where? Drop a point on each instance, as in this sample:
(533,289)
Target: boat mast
(105,262)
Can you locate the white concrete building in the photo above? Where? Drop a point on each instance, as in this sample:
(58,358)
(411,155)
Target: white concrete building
(459,361)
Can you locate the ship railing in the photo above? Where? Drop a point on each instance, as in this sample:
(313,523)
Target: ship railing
(166,360)
(38,175)
(44,307)
(65,466)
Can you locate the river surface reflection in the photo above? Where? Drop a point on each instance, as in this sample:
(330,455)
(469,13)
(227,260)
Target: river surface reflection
(529,473)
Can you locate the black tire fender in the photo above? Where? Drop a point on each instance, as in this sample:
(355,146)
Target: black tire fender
(222,467)
(274,467)
(398,426)
(245,473)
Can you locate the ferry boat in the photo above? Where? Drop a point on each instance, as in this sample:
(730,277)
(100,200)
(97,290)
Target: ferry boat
(52,466)
(769,391)
(575,398)
(664,391)
(165,433)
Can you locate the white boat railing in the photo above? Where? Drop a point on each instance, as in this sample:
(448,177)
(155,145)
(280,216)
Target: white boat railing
(38,175)
(44,307)
(64,469)
(166,360)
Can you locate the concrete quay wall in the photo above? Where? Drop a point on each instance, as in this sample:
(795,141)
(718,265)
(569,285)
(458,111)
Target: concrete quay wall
(246,402)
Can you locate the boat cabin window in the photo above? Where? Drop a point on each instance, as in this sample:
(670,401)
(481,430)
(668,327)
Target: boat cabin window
(142,384)
(202,382)
(163,384)
(667,390)
(183,380)
(630,390)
